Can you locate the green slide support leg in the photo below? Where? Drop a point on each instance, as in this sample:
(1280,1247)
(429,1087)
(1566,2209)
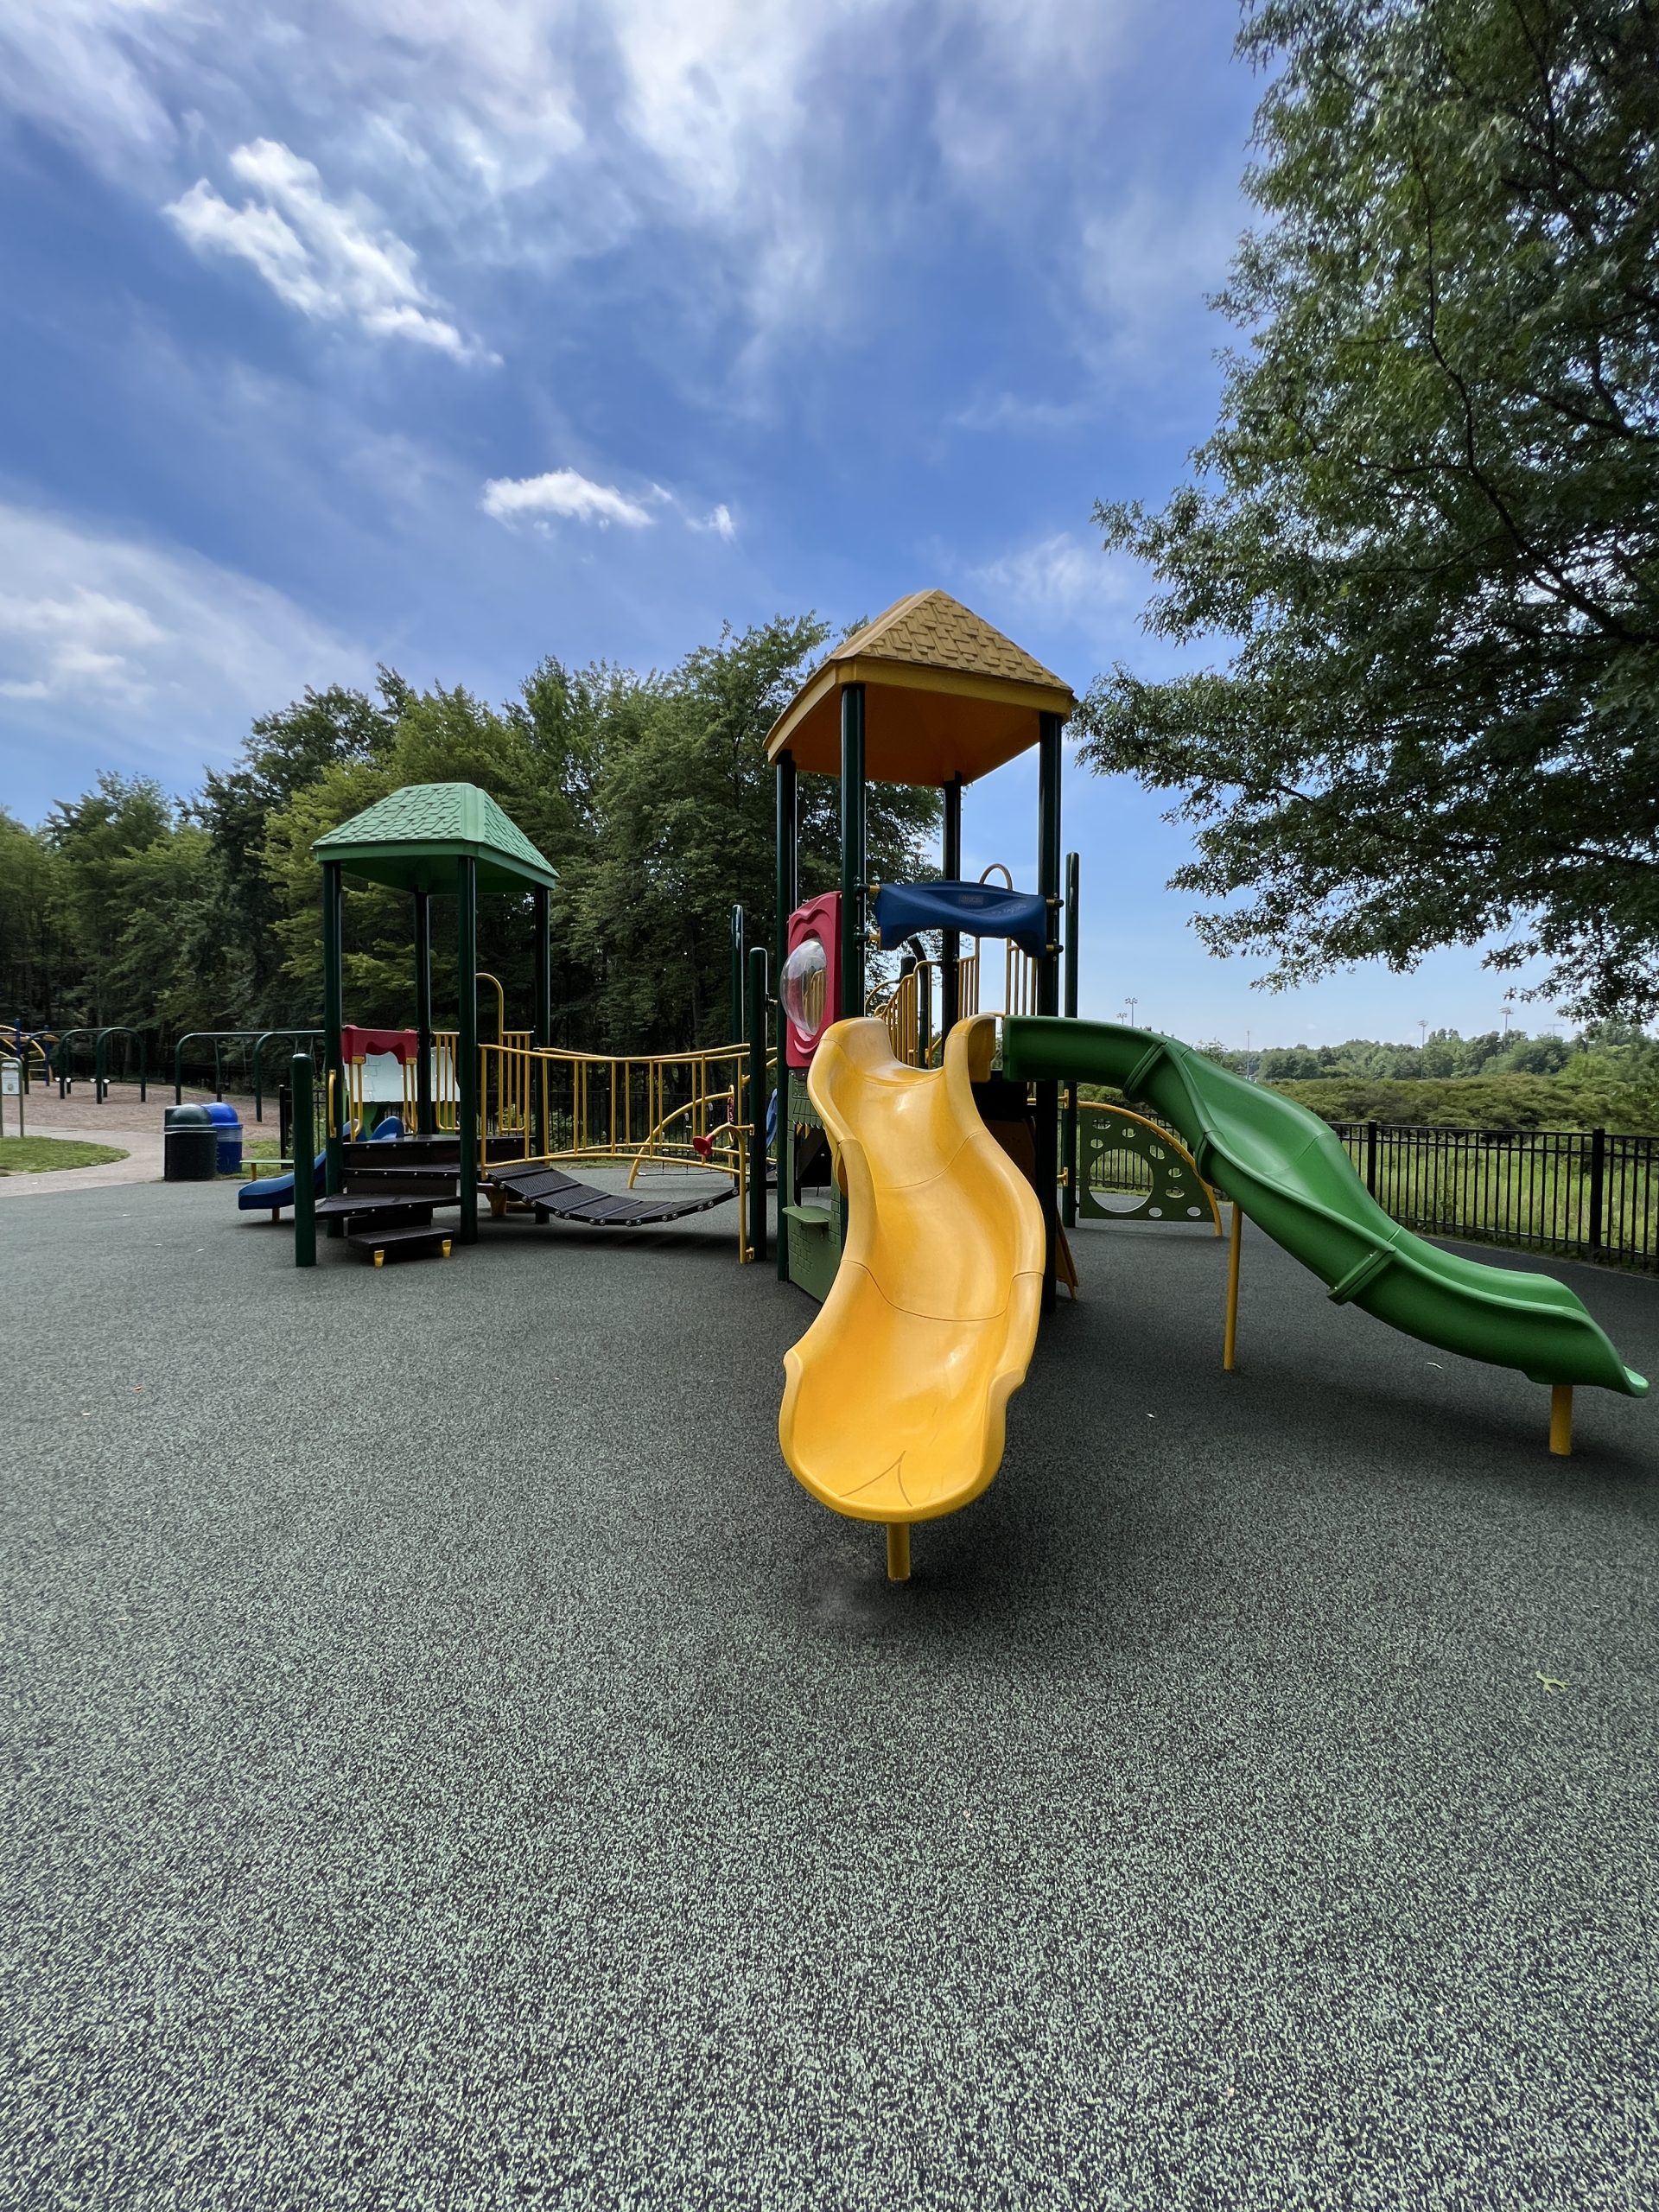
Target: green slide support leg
(1289,1173)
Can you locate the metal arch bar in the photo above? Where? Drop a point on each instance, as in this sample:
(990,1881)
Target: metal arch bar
(100,1082)
(266,1037)
(64,1036)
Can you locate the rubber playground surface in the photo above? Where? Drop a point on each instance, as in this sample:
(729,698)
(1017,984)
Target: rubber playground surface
(454,1763)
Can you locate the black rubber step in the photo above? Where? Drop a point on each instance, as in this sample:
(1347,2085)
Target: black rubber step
(410,1240)
(381,1213)
(402,1183)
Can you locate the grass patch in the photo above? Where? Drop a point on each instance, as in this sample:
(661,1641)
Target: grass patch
(36,1155)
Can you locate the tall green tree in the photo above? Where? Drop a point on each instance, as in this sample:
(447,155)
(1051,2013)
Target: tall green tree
(94,839)
(1428,522)
(684,816)
(35,960)
(285,753)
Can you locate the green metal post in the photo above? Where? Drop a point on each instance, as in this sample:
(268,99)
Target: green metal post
(757,1006)
(305,1174)
(950,944)
(1049,759)
(540,1012)
(739,955)
(852,849)
(788,884)
(1069,1130)
(467,1042)
(425,1118)
(334,1012)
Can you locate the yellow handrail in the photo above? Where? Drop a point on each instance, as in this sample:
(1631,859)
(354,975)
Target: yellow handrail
(679,1159)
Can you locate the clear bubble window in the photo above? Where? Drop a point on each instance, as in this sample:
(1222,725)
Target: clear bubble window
(804,984)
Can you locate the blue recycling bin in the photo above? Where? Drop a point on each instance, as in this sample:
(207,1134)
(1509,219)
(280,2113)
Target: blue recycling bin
(228,1128)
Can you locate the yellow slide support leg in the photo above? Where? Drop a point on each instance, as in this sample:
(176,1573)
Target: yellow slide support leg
(1230,1334)
(898,1551)
(1561,1419)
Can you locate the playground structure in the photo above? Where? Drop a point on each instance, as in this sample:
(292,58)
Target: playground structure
(931,1150)
(508,1118)
(894,1399)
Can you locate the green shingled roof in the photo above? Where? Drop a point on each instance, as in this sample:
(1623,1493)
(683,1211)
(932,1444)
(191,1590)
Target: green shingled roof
(412,838)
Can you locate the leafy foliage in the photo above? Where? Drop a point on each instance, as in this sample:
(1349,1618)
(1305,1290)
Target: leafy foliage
(649,795)
(1428,517)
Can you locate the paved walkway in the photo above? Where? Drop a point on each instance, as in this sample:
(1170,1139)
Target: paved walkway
(123,1120)
(141,1165)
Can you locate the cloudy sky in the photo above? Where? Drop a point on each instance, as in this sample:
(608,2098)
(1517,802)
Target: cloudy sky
(455,332)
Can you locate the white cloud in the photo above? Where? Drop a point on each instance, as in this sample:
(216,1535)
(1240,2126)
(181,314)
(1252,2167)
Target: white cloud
(80,645)
(317,255)
(1063,578)
(561,491)
(536,131)
(718,519)
(1153,255)
(156,655)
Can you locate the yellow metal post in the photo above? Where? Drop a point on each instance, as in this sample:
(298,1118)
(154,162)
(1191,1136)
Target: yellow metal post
(898,1551)
(1230,1337)
(1561,1419)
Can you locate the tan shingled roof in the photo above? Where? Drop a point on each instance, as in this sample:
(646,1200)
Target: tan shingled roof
(932,630)
(945,696)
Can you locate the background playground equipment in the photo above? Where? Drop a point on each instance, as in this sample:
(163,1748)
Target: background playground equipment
(69,1039)
(254,1044)
(927,693)
(32,1049)
(423,839)
(1288,1171)
(1133,1169)
(516,1108)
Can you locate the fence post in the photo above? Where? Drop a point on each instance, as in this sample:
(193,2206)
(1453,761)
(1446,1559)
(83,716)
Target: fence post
(1598,1173)
(1371,1157)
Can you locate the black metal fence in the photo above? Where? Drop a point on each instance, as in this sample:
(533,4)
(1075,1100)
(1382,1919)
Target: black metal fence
(1583,1193)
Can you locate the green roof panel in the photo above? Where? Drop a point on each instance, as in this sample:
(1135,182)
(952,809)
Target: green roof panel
(412,838)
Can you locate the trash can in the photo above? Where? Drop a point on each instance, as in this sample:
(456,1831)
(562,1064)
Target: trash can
(190,1145)
(229,1132)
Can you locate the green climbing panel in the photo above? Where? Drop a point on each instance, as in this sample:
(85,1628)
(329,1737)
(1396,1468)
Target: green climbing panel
(813,1213)
(1132,1170)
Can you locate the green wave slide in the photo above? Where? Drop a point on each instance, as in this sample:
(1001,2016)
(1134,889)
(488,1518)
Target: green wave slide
(1288,1172)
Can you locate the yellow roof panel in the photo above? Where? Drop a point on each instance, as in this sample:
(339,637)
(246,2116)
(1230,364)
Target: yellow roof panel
(945,695)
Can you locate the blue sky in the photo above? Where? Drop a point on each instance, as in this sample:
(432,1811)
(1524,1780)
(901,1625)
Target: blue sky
(455,332)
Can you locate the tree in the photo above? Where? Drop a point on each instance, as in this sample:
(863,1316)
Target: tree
(94,839)
(34,950)
(285,753)
(684,808)
(1428,517)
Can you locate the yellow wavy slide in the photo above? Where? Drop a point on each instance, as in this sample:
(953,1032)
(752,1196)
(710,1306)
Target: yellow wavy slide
(896,1397)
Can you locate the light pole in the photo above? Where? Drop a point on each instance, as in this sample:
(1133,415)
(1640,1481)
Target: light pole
(1129,1005)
